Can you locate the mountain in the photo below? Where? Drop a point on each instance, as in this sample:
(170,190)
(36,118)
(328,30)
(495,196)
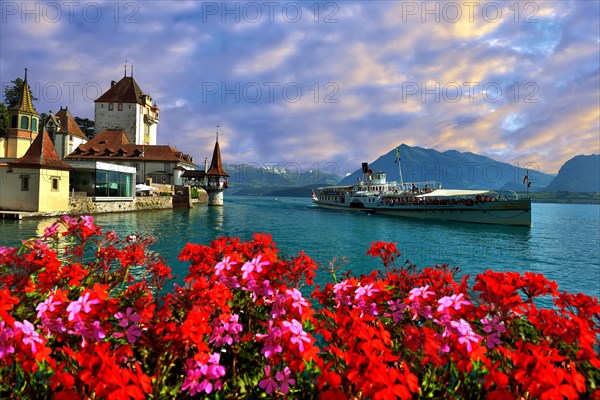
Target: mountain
(267,180)
(579,174)
(455,170)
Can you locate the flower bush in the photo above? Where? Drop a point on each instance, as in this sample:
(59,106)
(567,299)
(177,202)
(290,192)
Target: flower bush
(85,314)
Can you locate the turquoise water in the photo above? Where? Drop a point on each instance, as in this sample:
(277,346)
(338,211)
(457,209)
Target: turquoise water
(563,243)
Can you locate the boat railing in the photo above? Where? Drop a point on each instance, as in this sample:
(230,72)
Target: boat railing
(416,187)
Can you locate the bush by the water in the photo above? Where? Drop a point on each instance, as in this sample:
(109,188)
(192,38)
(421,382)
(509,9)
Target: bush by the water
(86,314)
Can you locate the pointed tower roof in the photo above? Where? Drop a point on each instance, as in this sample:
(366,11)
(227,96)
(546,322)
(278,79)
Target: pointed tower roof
(24,104)
(41,154)
(216,167)
(68,124)
(125,91)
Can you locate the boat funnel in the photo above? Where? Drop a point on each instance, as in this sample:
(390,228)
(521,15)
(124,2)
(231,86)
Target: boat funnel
(365,168)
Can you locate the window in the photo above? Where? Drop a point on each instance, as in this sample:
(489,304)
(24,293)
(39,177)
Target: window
(54,184)
(24,122)
(25,183)
(14,121)
(120,106)
(111,106)
(34,124)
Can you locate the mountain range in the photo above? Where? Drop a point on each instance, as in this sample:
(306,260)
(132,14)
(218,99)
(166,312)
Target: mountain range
(453,169)
(579,174)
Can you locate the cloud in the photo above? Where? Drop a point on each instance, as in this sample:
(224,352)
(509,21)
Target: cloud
(520,86)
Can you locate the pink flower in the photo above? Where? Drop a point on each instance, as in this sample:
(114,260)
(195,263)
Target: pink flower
(97,331)
(6,336)
(298,335)
(129,316)
(297,300)
(226,264)
(271,345)
(465,333)
(455,301)
(88,221)
(365,291)
(51,231)
(47,305)
(341,287)
(30,336)
(284,378)
(268,384)
(398,308)
(254,265)
(83,303)
(278,308)
(191,381)
(422,292)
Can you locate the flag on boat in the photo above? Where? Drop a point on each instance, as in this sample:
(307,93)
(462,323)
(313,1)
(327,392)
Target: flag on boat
(526,177)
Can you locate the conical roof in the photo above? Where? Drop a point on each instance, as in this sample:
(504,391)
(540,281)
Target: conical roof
(24,104)
(216,166)
(41,154)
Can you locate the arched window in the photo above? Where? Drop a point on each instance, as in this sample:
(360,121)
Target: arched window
(24,122)
(34,124)
(14,122)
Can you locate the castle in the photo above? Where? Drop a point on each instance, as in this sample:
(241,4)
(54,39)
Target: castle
(38,172)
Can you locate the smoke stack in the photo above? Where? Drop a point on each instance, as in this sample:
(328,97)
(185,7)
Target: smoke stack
(365,167)
(206,164)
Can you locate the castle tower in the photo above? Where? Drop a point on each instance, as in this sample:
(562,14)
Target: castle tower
(216,178)
(125,106)
(24,121)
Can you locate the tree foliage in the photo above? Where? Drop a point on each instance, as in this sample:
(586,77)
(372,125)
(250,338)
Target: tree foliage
(11,92)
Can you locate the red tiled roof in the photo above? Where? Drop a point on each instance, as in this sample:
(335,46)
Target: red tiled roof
(68,124)
(124,91)
(114,145)
(41,154)
(216,167)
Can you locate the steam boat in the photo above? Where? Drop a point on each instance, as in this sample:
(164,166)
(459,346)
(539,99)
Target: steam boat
(424,200)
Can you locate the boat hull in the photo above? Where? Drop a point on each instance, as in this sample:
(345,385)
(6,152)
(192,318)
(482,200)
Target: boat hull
(510,212)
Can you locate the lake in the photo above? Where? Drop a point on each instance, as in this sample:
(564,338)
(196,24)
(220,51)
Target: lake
(563,242)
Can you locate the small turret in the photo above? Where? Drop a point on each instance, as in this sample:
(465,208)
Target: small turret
(216,178)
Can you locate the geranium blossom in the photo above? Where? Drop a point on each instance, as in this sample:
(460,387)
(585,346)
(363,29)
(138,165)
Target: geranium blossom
(297,300)
(285,380)
(225,264)
(47,305)
(127,317)
(255,265)
(128,335)
(268,383)
(421,292)
(30,336)
(455,301)
(6,336)
(365,291)
(82,304)
(466,334)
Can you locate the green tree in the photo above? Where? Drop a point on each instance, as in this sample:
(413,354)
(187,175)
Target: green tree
(86,125)
(11,92)
(43,118)
(4,120)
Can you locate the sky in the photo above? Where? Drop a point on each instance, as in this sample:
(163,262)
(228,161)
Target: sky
(326,84)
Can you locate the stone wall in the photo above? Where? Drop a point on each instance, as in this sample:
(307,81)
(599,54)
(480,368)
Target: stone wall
(85,205)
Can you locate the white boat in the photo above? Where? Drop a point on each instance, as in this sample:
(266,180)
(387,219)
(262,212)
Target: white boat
(424,200)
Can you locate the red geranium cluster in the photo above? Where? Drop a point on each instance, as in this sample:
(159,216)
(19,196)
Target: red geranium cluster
(86,315)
